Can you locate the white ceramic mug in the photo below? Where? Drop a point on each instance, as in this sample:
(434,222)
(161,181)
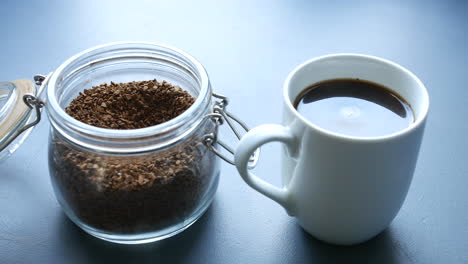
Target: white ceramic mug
(342,189)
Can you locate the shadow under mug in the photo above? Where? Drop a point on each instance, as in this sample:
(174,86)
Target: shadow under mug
(342,189)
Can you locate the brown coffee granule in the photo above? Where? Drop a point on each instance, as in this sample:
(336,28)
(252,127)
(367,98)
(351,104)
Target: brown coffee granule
(130,105)
(132,194)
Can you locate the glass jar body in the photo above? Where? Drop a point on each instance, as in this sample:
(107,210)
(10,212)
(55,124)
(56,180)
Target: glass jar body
(132,186)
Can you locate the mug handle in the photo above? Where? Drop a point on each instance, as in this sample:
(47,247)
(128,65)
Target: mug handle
(248,144)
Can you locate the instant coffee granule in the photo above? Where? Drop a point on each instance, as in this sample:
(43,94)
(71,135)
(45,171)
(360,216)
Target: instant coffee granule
(130,105)
(132,194)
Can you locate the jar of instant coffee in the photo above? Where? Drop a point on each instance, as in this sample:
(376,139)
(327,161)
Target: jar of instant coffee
(133,145)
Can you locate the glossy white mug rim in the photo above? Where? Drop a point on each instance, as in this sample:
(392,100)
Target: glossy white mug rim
(419,119)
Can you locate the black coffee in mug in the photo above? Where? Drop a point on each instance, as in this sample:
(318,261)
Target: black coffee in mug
(354,107)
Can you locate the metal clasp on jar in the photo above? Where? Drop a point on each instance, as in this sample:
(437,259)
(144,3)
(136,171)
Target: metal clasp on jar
(219,116)
(33,102)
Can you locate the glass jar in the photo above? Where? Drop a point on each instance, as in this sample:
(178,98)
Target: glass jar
(16,115)
(138,185)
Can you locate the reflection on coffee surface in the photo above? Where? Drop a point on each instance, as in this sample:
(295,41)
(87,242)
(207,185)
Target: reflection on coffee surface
(354,107)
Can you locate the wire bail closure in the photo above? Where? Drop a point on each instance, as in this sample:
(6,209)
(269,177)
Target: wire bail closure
(218,117)
(33,102)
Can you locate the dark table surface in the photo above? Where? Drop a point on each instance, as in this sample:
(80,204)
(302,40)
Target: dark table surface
(248,48)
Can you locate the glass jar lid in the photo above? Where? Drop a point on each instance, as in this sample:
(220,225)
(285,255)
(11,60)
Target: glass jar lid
(6,98)
(15,111)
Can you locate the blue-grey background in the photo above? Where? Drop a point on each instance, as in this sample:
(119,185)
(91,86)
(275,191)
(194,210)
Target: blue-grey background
(248,48)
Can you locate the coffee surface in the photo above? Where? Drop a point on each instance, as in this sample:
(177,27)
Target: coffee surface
(354,107)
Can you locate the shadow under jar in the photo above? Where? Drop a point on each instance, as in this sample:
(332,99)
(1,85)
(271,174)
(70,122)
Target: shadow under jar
(138,185)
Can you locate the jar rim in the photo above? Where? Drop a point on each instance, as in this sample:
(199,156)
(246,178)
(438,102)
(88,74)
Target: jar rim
(54,106)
